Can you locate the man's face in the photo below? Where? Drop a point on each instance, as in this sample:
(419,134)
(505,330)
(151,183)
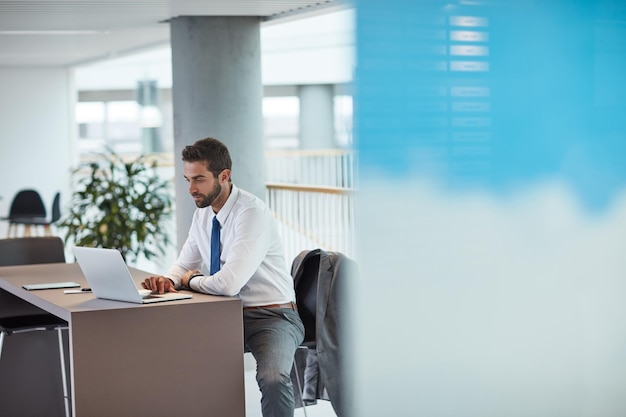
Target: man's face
(203,186)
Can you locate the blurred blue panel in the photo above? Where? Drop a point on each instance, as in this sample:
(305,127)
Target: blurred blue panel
(494,94)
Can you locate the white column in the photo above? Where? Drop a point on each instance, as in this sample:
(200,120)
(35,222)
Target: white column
(317,120)
(217,92)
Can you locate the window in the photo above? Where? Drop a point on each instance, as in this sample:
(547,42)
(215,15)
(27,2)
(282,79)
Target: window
(280,122)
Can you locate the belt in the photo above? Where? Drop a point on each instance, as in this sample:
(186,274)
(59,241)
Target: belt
(291,306)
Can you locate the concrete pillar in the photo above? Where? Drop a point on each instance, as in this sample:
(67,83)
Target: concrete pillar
(317,118)
(217,91)
(150,117)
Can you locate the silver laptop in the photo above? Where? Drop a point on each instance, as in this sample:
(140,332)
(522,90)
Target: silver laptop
(109,277)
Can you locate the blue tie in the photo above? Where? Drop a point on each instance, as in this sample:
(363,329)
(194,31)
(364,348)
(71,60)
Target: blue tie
(215,246)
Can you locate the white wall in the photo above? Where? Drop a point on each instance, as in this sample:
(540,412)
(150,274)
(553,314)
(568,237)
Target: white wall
(36,133)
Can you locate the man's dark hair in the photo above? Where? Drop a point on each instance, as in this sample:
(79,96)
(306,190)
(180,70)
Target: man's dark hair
(210,150)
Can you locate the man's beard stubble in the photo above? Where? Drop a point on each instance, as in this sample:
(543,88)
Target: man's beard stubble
(208,199)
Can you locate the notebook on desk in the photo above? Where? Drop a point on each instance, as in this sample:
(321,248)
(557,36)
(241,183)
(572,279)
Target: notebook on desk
(109,277)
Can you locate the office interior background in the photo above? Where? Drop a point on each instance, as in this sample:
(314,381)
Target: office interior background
(491,209)
(64,115)
(125,104)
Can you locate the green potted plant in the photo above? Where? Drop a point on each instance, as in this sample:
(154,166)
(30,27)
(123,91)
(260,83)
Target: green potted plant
(121,205)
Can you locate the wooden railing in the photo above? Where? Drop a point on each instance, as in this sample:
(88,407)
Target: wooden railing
(312,194)
(312,217)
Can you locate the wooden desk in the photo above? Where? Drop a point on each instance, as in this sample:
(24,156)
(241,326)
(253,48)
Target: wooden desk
(177,358)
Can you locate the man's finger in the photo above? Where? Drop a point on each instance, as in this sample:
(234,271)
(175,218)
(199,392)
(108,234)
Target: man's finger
(150,284)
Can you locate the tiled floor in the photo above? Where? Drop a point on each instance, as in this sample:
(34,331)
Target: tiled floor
(253,397)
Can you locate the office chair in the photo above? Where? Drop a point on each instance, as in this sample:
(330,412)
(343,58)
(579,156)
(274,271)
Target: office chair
(26,251)
(320,282)
(43,221)
(26,205)
(305,272)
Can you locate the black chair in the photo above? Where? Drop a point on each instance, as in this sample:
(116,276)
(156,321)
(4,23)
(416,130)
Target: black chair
(321,285)
(31,251)
(26,251)
(26,206)
(305,272)
(43,221)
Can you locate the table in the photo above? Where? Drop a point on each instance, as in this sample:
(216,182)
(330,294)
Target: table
(176,358)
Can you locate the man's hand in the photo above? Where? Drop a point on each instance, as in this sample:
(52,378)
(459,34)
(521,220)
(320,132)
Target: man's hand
(159,285)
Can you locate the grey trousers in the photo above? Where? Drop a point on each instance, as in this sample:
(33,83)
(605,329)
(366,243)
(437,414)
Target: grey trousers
(272,336)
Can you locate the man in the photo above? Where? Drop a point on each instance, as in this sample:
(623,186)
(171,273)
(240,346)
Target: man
(251,266)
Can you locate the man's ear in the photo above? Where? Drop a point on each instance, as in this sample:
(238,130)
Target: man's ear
(225,175)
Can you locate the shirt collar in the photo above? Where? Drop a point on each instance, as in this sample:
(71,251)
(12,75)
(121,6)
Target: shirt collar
(222,215)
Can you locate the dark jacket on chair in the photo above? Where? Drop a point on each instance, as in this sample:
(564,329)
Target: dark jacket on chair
(332,301)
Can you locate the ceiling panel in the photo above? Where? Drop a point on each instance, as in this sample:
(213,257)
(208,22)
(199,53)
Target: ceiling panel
(69,32)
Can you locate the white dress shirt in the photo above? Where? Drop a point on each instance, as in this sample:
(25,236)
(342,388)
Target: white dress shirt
(252,259)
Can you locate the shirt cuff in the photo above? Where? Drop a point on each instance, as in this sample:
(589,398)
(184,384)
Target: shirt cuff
(191,278)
